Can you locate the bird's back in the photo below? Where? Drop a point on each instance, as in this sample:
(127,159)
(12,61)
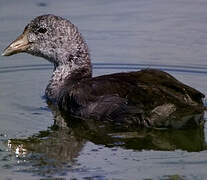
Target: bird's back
(130,98)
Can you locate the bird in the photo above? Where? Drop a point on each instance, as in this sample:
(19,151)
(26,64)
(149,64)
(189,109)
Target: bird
(146,98)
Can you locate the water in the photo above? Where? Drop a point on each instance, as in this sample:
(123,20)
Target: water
(122,36)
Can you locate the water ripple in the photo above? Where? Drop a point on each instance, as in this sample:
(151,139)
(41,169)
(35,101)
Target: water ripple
(202,69)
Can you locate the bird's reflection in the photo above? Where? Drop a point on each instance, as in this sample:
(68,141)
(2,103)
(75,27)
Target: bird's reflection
(56,149)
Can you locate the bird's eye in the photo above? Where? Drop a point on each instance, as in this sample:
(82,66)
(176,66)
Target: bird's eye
(42,30)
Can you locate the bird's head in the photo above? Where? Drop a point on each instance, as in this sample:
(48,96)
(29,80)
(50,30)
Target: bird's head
(52,37)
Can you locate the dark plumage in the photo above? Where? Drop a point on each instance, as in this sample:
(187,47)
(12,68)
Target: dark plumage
(149,97)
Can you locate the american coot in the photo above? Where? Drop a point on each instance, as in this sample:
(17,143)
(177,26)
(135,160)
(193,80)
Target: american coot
(150,98)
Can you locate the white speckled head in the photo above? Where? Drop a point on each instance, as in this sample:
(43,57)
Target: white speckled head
(59,41)
(56,39)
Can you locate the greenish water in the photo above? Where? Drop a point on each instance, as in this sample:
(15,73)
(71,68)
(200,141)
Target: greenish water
(122,36)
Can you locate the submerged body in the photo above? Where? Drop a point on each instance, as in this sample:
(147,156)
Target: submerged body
(150,98)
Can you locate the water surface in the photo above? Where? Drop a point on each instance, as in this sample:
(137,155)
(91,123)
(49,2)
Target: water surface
(122,36)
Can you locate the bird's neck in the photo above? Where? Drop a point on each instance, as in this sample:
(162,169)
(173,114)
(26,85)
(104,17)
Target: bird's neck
(67,74)
(71,63)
